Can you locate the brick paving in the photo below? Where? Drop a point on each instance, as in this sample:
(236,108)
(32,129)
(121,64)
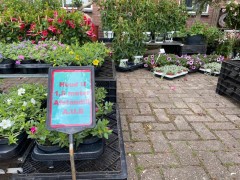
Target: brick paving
(183,133)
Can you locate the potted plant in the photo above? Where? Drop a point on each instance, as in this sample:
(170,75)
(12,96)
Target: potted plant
(170,71)
(51,141)
(212,68)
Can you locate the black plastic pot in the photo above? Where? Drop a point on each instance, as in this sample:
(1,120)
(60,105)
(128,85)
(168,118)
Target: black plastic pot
(90,140)
(195,40)
(48,149)
(32,68)
(7,66)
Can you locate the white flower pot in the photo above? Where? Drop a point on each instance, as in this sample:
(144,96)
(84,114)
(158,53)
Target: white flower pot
(123,63)
(137,59)
(147,37)
(108,34)
(159,37)
(169,36)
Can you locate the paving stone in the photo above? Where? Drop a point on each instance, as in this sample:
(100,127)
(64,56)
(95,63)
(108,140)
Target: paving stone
(158,160)
(234,172)
(129,111)
(180,95)
(230,111)
(162,126)
(142,119)
(185,173)
(196,108)
(207,145)
(179,111)
(216,115)
(228,140)
(221,126)
(185,153)
(229,157)
(126,136)
(190,99)
(162,105)
(210,105)
(144,108)
(234,118)
(147,100)
(235,133)
(151,174)
(182,135)
(181,123)
(180,104)
(161,115)
(131,103)
(163,98)
(137,147)
(203,131)
(159,142)
(131,167)
(198,118)
(213,165)
(138,132)
(124,123)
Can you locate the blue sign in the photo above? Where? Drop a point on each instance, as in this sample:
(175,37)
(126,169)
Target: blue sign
(71,102)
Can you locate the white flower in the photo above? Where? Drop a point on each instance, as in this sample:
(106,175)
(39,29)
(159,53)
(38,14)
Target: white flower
(33,101)
(21,91)
(6,123)
(9,101)
(45,94)
(24,103)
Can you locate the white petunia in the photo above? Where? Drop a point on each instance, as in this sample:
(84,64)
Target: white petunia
(24,103)
(21,91)
(33,101)
(6,123)
(9,101)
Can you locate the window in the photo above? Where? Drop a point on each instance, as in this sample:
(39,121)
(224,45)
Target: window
(192,6)
(68,3)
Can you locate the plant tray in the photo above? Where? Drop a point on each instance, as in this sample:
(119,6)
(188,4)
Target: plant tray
(130,67)
(110,165)
(32,68)
(84,152)
(170,76)
(208,71)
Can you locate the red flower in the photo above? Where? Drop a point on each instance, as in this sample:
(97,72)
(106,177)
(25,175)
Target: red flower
(50,20)
(60,20)
(70,24)
(32,26)
(14,19)
(33,129)
(20,38)
(52,29)
(33,42)
(58,31)
(90,33)
(44,33)
(87,20)
(55,14)
(22,26)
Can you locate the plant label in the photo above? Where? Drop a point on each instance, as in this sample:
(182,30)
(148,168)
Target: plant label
(71,101)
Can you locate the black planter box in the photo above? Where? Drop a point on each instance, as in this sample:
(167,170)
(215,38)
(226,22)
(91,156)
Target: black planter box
(229,79)
(7,66)
(32,68)
(110,165)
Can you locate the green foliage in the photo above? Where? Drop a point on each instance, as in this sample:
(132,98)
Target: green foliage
(233,14)
(20,104)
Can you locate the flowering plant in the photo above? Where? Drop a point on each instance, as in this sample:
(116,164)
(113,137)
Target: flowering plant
(36,128)
(233,13)
(18,106)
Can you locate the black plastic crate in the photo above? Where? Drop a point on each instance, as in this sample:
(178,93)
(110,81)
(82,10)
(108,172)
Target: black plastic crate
(110,165)
(111,86)
(229,88)
(107,71)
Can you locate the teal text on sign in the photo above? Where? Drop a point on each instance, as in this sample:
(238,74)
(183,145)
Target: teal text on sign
(71,98)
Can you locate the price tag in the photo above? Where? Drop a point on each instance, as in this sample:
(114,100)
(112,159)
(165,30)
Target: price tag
(71,101)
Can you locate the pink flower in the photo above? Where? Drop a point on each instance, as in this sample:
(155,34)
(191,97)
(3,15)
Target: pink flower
(173,88)
(152,56)
(18,62)
(21,57)
(55,14)
(145,65)
(96,109)
(146,58)
(152,62)
(33,129)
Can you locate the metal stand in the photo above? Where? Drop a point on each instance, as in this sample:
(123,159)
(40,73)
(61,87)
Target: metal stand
(71,152)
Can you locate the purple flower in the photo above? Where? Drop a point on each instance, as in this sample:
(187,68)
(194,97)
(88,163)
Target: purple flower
(205,56)
(21,57)
(152,56)
(169,58)
(193,67)
(145,65)
(18,62)
(146,58)
(191,62)
(1,56)
(152,62)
